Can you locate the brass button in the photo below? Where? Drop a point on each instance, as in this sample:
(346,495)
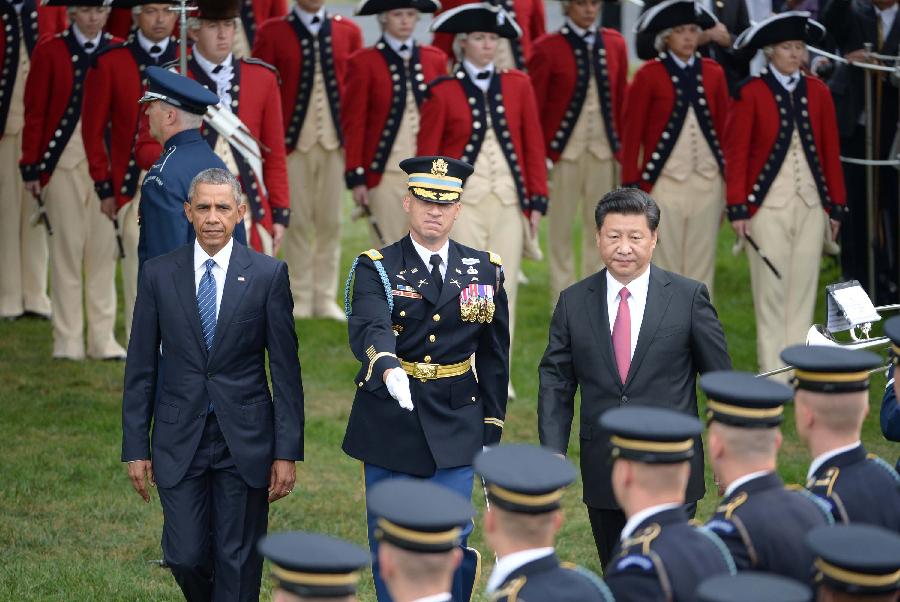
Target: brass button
(360,383)
(402,313)
(427,359)
(436,317)
(432,338)
(473,398)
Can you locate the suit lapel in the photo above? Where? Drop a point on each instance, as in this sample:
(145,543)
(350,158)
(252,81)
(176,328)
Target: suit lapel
(598,316)
(417,275)
(237,281)
(186,290)
(658,296)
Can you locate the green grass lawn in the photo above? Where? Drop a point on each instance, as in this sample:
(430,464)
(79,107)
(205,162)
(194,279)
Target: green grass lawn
(71,527)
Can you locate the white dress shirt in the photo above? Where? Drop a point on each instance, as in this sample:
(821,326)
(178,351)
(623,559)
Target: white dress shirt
(643,515)
(222,259)
(887,17)
(681,63)
(425,254)
(788,82)
(745,479)
(308,17)
(222,78)
(147,44)
(83,39)
(508,564)
(589,37)
(445,597)
(473,71)
(395,45)
(637,301)
(822,458)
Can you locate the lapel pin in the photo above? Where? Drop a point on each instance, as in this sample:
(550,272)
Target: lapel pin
(423,282)
(241,279)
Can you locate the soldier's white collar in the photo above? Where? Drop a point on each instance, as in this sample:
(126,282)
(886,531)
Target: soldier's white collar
(473,72)
(396,43)
(789,82)
(643,515)
(588,36)
(745,479)
(508,564)
(681,63)
(822,458)
(147,44)
(83,39)
(426,254)
(307,18)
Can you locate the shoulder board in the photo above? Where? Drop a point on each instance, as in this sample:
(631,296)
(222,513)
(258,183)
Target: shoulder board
(882,464)
(254,61)
(510,593)
(741,84)
(596,581)
(729,508)
(495,259)
(440,80)
(821,504)
(108,48)
(720,545)
(373,254)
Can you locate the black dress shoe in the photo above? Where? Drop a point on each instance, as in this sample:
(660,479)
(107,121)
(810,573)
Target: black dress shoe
(35,315)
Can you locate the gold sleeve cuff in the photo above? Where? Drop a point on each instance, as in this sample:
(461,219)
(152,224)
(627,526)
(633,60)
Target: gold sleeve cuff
(374,357)
(494,421)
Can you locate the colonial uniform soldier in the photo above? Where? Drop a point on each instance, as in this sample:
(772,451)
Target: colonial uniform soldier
(856,562)
(512,53)
(111,93)
(488,117)
(419,527)
(579,76)
(660,556)
(762,523)
(23,245)
(751,587)
(421,308)
(54,166)
(175,110)
(386,84)
(310,49)
(253,13)
(309,566)
(831,402)
(784,180)
(673,124)
(525,486)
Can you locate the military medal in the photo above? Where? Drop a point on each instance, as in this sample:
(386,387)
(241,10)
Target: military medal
(476,303)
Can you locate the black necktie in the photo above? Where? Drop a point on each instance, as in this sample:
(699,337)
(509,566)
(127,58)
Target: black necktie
(435,262)
(155,49)
(403,47)
(89,45)
(791,80)
(217,69)
(315,20)
(483,75)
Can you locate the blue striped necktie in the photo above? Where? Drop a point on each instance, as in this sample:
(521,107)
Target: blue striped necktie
(206,303)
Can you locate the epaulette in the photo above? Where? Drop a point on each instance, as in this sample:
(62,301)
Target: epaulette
(254,61)
(510,593)
(495,259)
(729,508)
(596,581)
(436,81)
(376,258)
(819,502)
(720,545)
(881,463)
(373,254)
(105,50)
(827,482)
(740,86)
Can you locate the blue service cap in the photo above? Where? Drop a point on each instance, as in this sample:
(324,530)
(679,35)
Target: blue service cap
(856,558)
(524,478)
(752,587)
(830,369)
(651,435)
(313,565)
(743,400)
(178,91)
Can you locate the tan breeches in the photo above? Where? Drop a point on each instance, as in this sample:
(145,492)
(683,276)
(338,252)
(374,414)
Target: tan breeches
(128,226)
(576,186)
(690,214)
(489,225)
(791,236)
(23,246)
(386,205)
(312,245)
(83,242)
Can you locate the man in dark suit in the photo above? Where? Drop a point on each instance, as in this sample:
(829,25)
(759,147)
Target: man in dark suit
(224,447)
(630,334)
(714,42)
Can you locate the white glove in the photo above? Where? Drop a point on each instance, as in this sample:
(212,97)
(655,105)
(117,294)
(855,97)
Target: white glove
(397,383)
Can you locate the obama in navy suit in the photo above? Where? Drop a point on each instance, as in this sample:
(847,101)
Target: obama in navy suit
(224,445)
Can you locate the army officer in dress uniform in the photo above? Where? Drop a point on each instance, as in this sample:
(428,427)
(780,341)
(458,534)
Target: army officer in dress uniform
(579,75)
(488,117)
(762,523)
(856,562)
(386,84)
(673,125)
(784,179)
(420,309)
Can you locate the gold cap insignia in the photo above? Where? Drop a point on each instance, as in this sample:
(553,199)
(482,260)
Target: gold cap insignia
(439,167)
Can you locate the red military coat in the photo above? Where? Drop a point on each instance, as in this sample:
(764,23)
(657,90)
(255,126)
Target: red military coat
(449,127)
(560,90)
(111,93)
(371,99)
(34,24)
(529,14)
(288,45)
(256,12)
(255,100)
(53,98)
(653,117)
(757,141)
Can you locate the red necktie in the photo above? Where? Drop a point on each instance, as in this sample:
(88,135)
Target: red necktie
(621,335)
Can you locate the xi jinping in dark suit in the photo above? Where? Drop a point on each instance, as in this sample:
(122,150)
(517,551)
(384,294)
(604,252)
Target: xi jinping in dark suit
(223,445)
(631,334)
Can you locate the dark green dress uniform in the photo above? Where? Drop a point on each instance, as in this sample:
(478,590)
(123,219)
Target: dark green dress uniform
(762,522)
(857,560)
(857,486)
(665,557)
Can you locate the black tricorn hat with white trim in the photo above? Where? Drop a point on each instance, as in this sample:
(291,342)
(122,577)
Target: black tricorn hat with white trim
(792,25)
(482,16)
(672,13)
(375,7)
